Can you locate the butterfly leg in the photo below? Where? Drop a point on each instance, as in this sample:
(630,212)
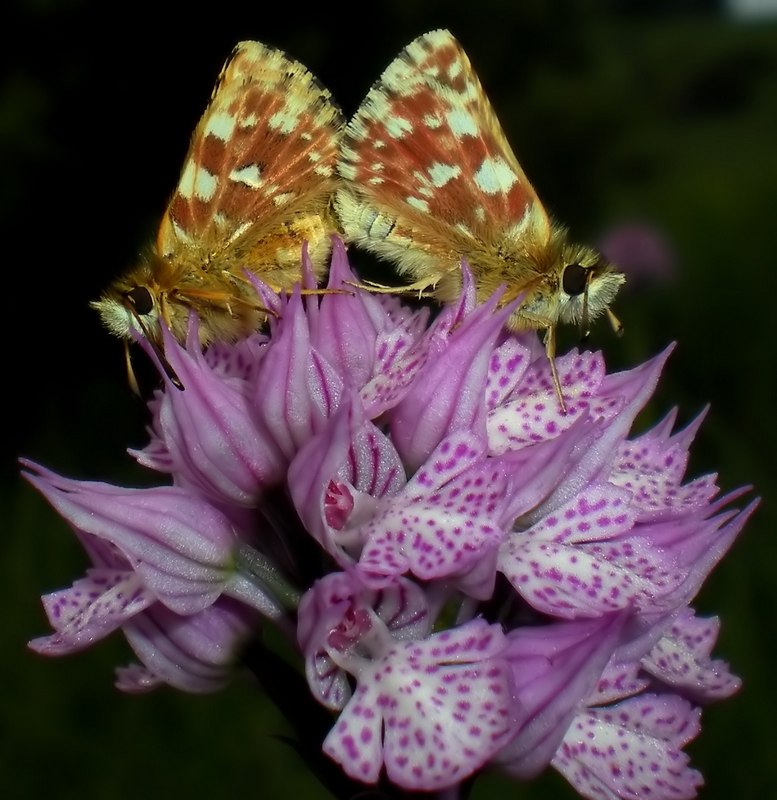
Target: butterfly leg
(550,351)
(202,299)
(316,292)
(422,288)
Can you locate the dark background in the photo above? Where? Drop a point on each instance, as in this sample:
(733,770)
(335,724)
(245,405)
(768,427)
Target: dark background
(657,112)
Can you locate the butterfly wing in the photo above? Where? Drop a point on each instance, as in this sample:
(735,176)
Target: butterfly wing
(260,171)
(429,175)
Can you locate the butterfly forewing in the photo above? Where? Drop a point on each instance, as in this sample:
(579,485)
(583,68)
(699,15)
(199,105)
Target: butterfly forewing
(261,165)
(426,149)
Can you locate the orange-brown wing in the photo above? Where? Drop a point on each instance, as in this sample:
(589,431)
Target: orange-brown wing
(264,151)
(426,156)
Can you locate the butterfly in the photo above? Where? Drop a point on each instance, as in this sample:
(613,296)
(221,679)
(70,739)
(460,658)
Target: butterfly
(256,184)
(429,178)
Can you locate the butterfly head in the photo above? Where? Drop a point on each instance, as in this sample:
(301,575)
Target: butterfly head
(586,285)
(561,282)
(133,304)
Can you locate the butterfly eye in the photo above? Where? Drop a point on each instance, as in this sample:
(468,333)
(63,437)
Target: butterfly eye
(141,299)
(574,279)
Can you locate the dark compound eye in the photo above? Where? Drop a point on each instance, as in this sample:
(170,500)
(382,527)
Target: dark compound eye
(141,298)
(574,279)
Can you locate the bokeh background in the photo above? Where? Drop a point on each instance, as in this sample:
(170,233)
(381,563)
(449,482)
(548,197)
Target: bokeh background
(649,126)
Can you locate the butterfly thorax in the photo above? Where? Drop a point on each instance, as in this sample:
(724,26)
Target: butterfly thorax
(554,279)
(161,290)
(559,281)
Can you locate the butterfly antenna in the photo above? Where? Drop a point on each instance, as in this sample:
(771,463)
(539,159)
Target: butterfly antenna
(615,322)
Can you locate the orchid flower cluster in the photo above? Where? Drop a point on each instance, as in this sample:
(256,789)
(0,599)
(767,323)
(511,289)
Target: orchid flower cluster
(471,578)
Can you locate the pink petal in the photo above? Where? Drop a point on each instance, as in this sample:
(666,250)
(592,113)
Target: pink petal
(91,609)
(632,750)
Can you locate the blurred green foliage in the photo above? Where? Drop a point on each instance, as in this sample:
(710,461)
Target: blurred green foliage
(665,113)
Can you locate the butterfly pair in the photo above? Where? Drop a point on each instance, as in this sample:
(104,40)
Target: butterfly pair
(422,176)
